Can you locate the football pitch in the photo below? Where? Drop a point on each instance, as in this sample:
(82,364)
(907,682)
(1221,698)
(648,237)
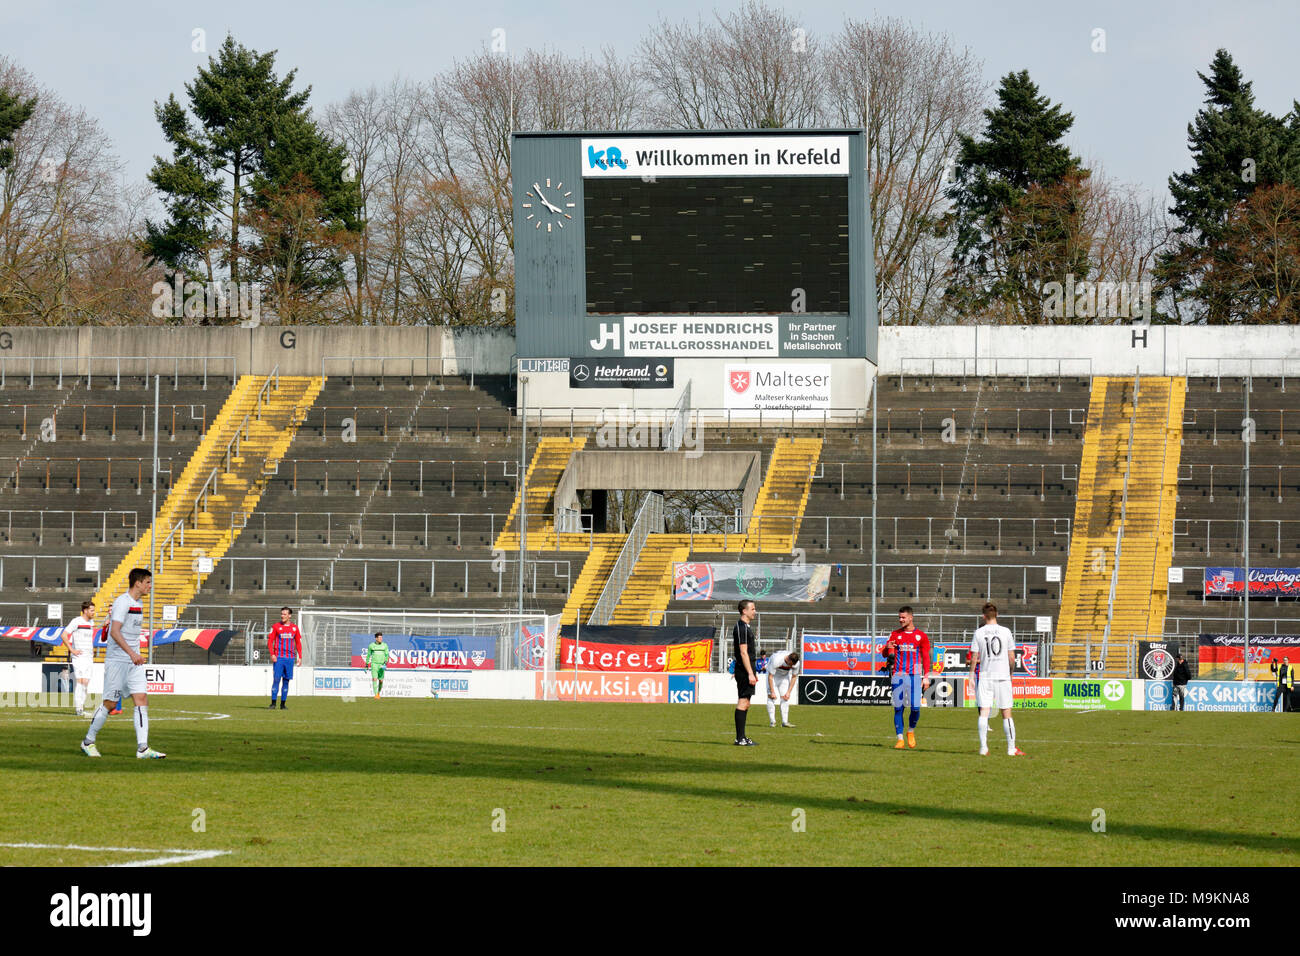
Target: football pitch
(439,782)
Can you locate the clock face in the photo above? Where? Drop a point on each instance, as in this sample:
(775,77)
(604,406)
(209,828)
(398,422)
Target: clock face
(548,205)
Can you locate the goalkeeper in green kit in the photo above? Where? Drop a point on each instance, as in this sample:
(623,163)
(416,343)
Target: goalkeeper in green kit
(376,658)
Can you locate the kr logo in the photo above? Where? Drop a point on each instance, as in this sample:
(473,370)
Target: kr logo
(1112,690)
(739,382)
(605,158)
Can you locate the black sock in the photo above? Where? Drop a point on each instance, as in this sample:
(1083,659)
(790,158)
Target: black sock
(740,723)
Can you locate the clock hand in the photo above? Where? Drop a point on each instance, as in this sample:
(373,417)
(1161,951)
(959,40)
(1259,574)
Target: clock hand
(545,202)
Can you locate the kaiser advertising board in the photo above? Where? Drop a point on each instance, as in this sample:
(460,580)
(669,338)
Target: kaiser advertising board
(1042,693)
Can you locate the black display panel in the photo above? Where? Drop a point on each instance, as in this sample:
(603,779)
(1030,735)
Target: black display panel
(717,245)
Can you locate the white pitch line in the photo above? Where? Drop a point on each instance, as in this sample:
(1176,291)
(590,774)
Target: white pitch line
(174,856)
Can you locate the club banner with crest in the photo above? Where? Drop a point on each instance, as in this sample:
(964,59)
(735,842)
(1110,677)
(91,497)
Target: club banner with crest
(1266,582)
(431,652)
(843,654)
(1221,655)
(734,582)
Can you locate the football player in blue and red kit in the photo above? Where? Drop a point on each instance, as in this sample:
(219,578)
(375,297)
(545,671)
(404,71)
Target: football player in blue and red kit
(285,645)
(911,652)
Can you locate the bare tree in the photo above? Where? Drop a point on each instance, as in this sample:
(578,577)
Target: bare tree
(62,206)
(755,68)
(913,93)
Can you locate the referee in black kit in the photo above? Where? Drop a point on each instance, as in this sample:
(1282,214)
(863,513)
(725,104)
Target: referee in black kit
(743,648)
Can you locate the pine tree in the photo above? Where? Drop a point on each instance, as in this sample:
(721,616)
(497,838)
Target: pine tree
(14,112)
(1017,208)
(250,137)
(1235,149)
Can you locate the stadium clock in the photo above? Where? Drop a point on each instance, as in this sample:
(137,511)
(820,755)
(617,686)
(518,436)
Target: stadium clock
(548,205)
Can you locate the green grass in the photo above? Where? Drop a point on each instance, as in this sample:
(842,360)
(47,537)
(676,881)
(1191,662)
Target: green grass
(417,782)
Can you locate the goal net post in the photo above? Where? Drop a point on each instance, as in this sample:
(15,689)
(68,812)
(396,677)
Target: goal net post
(444,640)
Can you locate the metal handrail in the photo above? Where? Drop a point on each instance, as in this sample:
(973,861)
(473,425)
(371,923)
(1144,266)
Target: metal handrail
(235,443)
(41,515)
(681,416)
(649,518)
(993,367)
(383,360)
(90,360)
(1123,516)
(1255,367)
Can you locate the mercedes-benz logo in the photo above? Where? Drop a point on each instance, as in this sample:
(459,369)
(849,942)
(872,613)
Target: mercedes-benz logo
(581,373)
(814,691)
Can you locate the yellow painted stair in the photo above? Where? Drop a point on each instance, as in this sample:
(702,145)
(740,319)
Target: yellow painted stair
(778,511)
(550,458)
(222,482)
(646,595)
(591,579)
(1146,549)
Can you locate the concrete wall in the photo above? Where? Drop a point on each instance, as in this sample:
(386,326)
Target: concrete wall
(1090,350)
(948,350)
(297,350)
(659,471)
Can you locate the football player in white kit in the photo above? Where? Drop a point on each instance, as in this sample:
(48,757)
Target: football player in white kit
(124,667)
(79,635)
(992,652)
(781,670)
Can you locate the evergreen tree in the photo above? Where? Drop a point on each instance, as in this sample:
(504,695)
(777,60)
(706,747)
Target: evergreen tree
(14,112)
(1235,149)
(1016,208)
(250,138)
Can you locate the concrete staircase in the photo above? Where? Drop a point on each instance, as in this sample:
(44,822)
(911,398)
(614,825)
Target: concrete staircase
(649,589)
(220,486)
(778,512)
(1141,588)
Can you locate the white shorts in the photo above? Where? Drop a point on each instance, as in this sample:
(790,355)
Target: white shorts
(994,693)
(83,665)
(782,681)
(123,678)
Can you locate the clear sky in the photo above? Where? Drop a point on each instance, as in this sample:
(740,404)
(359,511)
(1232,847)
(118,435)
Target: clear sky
(1131,103)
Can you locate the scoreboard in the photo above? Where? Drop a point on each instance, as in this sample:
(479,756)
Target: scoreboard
(753,244)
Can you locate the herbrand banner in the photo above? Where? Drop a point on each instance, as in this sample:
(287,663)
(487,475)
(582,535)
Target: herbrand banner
(1267,582)
(844,690)
(735,582)
(436,652)
(621,373)
(1220,655)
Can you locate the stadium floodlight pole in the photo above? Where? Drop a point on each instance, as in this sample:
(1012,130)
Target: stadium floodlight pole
(153,525)
(1249,435)
(875,402)
(523,486)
